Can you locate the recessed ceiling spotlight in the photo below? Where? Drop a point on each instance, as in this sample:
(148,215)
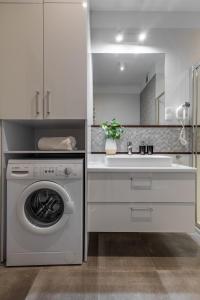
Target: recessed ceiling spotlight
(142,36)
(119,37)
(122,67)
(84,4)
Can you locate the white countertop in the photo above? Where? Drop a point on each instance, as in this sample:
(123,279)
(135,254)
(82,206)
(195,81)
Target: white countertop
(96,163)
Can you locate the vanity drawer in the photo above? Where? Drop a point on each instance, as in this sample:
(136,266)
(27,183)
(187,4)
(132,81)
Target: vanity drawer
(141,187)
(144,217)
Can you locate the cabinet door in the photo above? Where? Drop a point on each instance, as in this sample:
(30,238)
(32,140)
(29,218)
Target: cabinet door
(65,75)
(21,1)
(21,61)
(63,1)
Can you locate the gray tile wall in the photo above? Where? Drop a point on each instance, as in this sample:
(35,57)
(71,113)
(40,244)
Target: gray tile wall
(164,139)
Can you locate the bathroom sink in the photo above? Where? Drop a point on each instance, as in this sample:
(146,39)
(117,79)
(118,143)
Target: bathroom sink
(136,160)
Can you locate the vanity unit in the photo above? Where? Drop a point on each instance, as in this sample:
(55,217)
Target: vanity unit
(140,199)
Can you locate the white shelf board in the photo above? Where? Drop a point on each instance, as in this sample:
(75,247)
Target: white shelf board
(46,152)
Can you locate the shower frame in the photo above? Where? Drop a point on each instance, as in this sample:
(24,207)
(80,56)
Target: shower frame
(195,94)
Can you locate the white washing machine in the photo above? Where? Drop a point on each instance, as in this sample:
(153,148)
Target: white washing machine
(44,212)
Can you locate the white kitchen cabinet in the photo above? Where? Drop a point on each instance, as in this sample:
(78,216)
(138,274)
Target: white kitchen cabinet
(141,202)
(43,61)
(65,77)
(21,61)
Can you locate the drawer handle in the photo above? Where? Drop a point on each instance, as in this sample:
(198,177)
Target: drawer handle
(141,214)
(141,183)
(141,209)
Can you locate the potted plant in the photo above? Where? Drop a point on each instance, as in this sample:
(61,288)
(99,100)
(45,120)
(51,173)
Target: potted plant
(113,131)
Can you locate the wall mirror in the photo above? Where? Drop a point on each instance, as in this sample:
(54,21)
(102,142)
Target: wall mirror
(129,87)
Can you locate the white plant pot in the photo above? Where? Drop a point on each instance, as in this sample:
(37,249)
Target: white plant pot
(110,147)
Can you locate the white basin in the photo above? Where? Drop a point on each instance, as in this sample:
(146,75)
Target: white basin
(136,160)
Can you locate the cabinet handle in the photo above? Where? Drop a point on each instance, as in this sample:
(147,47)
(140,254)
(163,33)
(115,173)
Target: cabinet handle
(141,183)
(37,110)
(144,213)
(141,209)
(48,103)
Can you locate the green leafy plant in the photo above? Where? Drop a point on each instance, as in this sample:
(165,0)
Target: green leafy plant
(113,130)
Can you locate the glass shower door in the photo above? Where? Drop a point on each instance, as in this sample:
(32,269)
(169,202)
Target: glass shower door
(196,143)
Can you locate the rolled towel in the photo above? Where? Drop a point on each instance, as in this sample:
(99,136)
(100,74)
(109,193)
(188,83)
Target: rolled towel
(57,143)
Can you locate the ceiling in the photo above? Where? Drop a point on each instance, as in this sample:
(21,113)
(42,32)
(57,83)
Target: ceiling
(145,14)
(106,70)
(146,20)
(147,5)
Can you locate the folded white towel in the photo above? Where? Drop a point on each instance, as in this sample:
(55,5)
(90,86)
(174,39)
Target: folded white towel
(57,143)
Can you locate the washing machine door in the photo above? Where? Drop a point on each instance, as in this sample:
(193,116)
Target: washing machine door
(44,207)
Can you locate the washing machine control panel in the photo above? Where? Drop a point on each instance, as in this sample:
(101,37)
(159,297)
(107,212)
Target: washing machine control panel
(45,171)
(58,171)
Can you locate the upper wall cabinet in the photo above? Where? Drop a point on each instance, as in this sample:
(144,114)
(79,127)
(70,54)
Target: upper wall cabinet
(41,1)
(21,61)
(43,56)
(65,79)
(64,1)
(22,1)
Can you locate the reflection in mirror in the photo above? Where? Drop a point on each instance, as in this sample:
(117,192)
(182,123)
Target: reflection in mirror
(130,88)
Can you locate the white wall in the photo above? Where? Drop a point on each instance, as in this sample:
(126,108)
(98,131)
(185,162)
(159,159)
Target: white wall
(89,85)
(124,107)
(181,48)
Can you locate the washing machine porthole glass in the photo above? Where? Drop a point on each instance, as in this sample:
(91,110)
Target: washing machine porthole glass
(44,207)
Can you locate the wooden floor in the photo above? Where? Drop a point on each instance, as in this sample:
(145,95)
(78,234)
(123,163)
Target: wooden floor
(120,266)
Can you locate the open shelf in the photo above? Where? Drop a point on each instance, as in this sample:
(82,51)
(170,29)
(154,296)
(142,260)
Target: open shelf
(22,136)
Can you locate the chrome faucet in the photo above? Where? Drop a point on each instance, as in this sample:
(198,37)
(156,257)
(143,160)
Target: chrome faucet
(129,148)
